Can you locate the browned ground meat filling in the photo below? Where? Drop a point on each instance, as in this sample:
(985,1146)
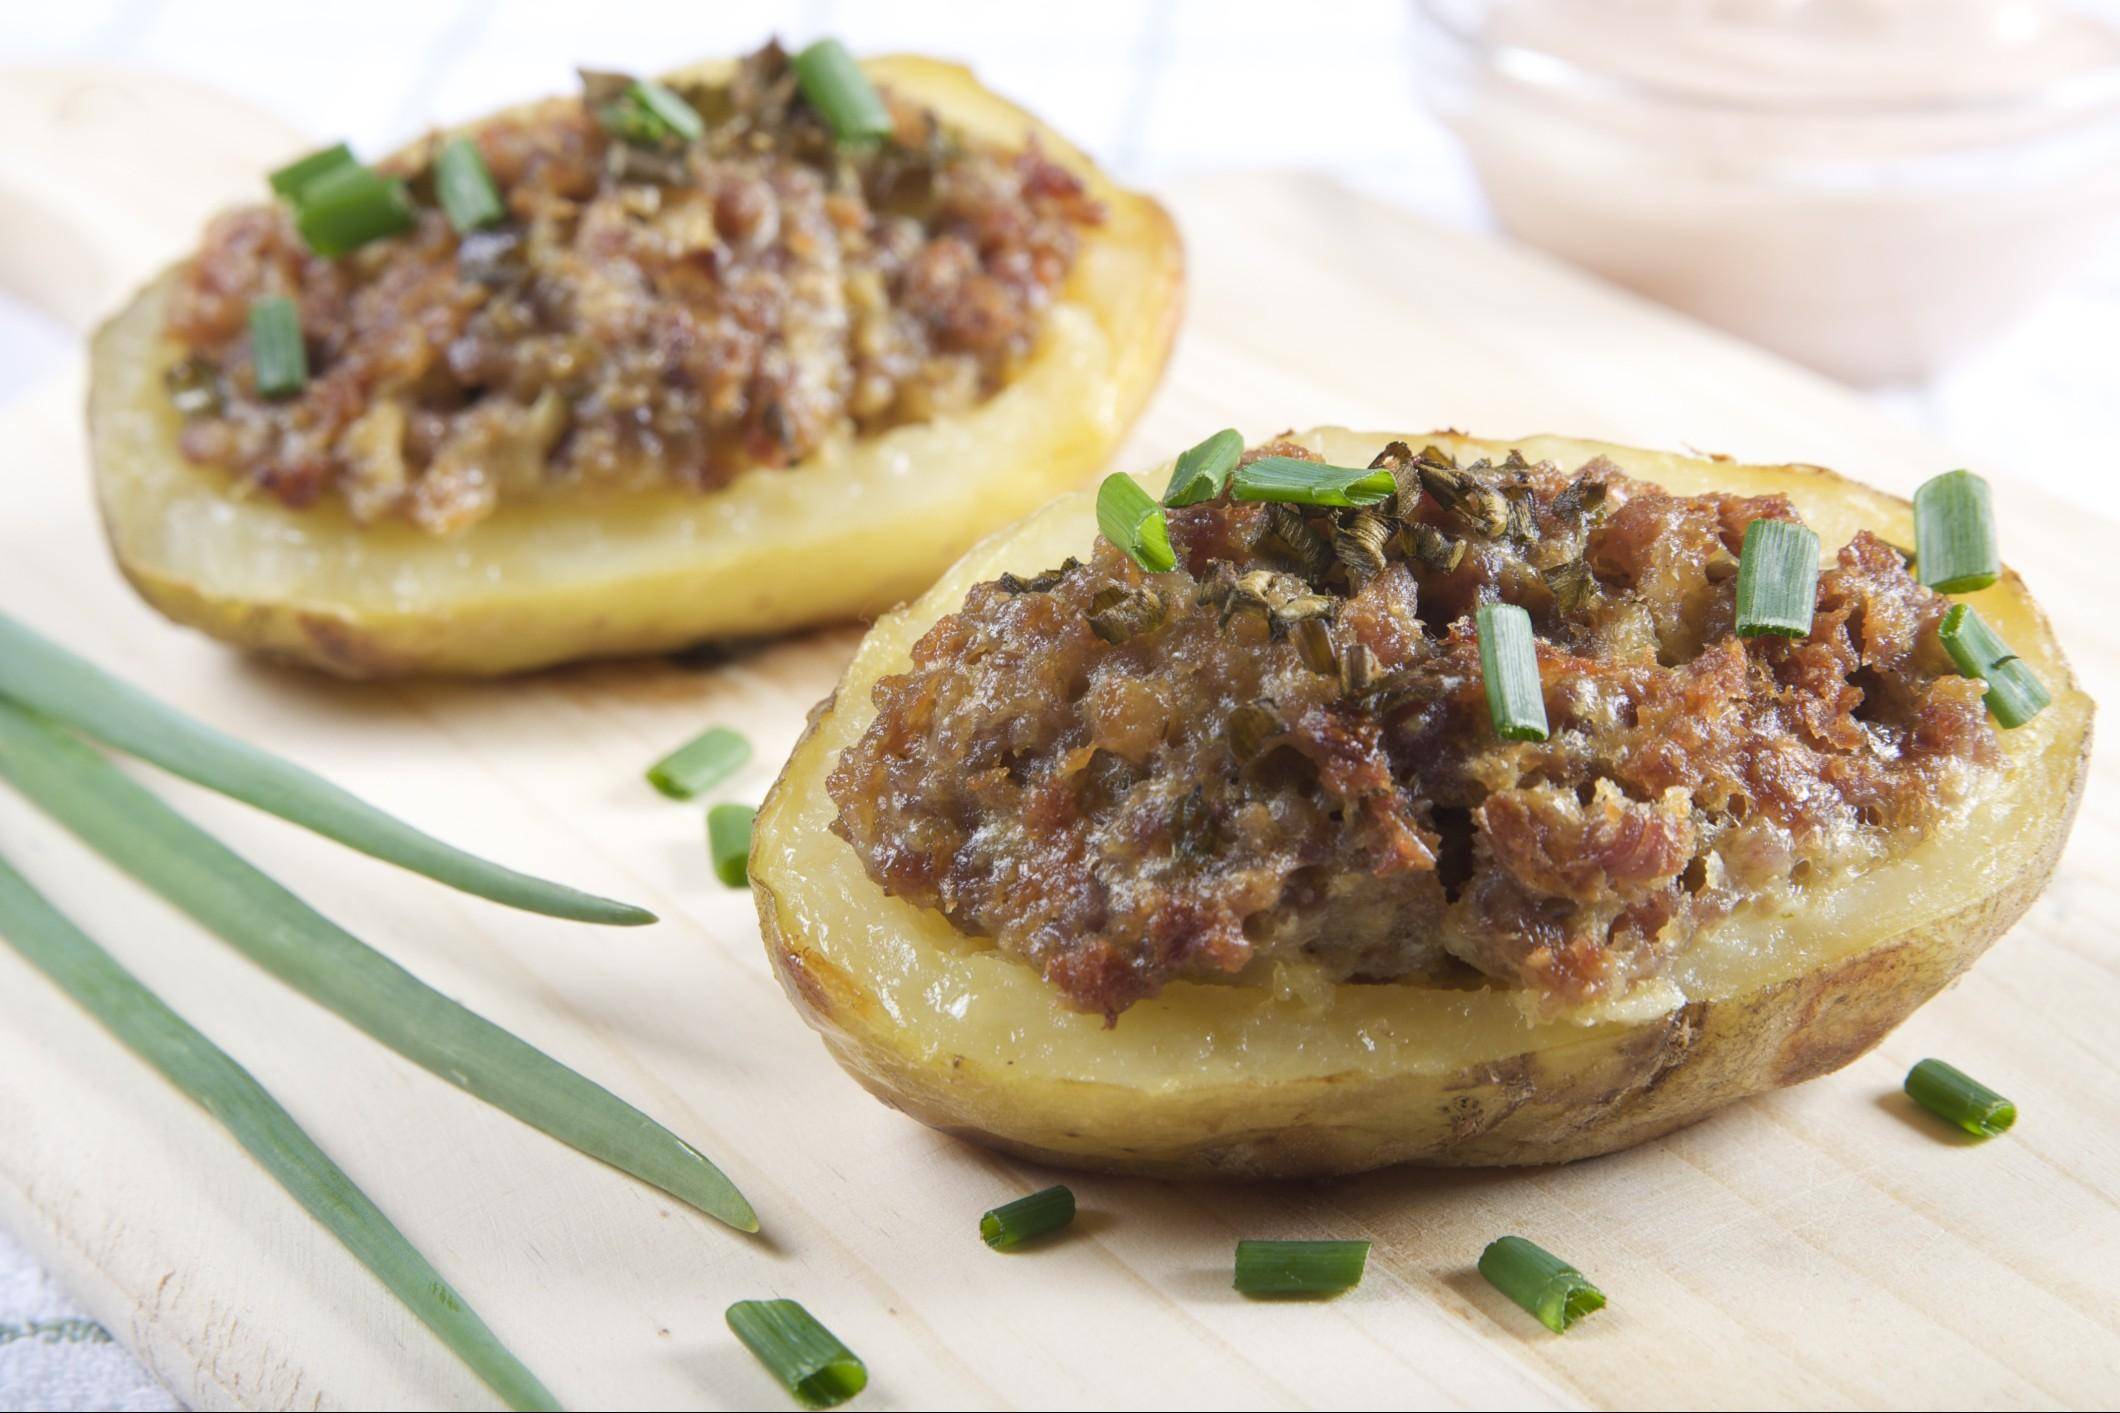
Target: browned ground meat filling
(1284,744)
(644,315)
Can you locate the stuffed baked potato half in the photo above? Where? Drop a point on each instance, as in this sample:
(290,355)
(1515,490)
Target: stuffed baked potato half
(976,368)
(1289,1068)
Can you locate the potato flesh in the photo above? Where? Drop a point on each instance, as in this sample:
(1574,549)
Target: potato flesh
(951,996)
(606,574)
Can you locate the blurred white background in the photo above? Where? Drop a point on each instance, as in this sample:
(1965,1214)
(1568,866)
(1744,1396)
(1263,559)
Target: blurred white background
(1154,91)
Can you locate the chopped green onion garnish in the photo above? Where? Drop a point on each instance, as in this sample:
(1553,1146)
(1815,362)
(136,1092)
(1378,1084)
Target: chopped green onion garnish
(647,114)
(1509,663)
(277,353)
(1300,1267)
(707,759)
(1957,1098)
(835,86)
(290,179)
(807,1358)
(39,673)
(1134,522)
(729,843)
(204,1073)
(465,187)
(348,206)
(1299,482)
(1954,534)
(1777,579)
(1203,471)
(1541,1282)
(2015,694)
(132,827)
(1027,1218)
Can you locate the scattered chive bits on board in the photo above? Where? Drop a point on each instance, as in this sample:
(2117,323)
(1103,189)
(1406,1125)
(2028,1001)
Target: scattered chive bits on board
(729,843)
(1509,663)
(1024,1220)
(834,85)
(464,187)
(1201,472)
(700,763)
(807,1358)
(1777,580)
(1133,521)
(279,358)
(1285,1269)
(1958,1099)
(2015,694)
(1542,1283)
(1954,534)
(1292,481)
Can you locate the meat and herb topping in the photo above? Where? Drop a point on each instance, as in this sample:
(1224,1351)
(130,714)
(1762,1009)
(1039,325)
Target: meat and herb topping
(669,286)
(1282,747)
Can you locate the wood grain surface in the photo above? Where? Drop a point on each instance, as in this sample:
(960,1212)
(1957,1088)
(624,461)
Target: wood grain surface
(1826,1246)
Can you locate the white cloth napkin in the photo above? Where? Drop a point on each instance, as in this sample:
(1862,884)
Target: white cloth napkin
(52,1356)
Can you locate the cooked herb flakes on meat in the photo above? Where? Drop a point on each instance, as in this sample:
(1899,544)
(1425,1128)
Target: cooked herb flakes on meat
(1282,748)
(650,311)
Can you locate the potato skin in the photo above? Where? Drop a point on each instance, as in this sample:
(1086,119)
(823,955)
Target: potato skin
(1617,1084)
(654,571)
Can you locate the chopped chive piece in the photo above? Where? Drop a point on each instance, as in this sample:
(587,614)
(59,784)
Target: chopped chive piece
(38,673)
(1541,1282)
(707,759)
(348,206)
(1957,1098)
(729,843)
(1134,522)
(1777,579)
(277,353)
(290,179)
(1300,1267)
(1203,471)
(132,827)
(807,1358)
(1509,663)
(1954,534)
(1299,482)
(675,115)
(646,114)
(465,187)
(204,1073)
(2015,694)
(835,86)
(1027,1218)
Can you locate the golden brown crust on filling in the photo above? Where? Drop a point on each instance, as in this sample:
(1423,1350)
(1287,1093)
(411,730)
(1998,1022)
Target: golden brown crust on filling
(1283,748)
(643,316)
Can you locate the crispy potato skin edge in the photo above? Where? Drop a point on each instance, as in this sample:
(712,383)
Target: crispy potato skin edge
(1606,1093)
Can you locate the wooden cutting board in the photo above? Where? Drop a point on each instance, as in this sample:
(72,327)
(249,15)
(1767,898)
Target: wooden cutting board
(1825,1246)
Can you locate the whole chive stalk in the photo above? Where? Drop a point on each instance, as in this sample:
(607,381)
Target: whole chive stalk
(2014,692)
(807,1358)
(1551,1289)
(1298,482)
(39,673)
(1012,1224)
(1954,534)
(1134,522)
(344,208)
(205,1074)
(277,353)
(131,826)
(835,86)
(1777,580)
(1957,1098)
(700,763)
(1202,471)
(1300,1268)
(464,186)
(289,180)
(729,843)
(1516,700)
